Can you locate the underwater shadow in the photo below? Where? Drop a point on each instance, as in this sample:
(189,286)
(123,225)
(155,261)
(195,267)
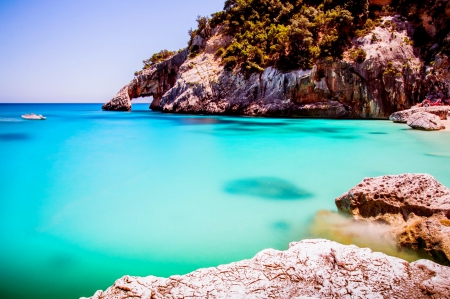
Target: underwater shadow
(280,128)
(61,261)
(440,155)
(112,117)
(14,137)
(344,137)
(266,188)
(281,226)
(239,123)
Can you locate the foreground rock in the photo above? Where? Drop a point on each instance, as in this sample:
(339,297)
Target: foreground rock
(309,269)
(415,205)
(425,121)
(403,115)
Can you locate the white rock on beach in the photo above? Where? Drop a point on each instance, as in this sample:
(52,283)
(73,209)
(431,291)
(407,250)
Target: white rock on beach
(425,121)
(402,116)
(308,269)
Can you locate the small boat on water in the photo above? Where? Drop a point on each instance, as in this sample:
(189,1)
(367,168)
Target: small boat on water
(33,116)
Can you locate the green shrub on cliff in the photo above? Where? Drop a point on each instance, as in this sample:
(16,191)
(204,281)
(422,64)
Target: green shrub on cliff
(288,34)
(357,55)
(157,57)
(293,34)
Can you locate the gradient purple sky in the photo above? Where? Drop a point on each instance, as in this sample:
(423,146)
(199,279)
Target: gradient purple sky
(84,51)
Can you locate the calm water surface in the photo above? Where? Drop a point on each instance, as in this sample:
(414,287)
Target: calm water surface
(89,196)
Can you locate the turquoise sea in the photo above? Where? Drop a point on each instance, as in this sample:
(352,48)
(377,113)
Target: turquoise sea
(88,196)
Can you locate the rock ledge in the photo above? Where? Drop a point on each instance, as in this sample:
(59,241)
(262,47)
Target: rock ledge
(425,121)
(309,269)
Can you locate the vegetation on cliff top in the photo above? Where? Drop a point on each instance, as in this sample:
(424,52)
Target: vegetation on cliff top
(288,34)
(156,58)
(294,34)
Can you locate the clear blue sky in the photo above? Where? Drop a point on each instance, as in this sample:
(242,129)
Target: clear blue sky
(86,50)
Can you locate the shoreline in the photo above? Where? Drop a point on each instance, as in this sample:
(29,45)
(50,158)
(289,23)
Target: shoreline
(320,267)
(446,124)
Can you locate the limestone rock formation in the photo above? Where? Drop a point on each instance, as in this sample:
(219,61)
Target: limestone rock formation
(381,2)
(154,81)
(403,115)
(415,205)
(309,269)
(388,80)
(425,121)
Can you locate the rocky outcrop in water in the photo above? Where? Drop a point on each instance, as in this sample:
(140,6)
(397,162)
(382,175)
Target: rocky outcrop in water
(309,269)
(403,115)
(415,205)
(390,78)
(154,82)
(425,121)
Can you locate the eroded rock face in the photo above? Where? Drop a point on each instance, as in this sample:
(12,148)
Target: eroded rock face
(309,269)
(154,81)
(425,121)
(381,2)
(334,89)
(402,116)
(389,79)
(204,87)
(415,205)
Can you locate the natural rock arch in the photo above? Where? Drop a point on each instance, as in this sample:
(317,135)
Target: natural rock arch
(154,81)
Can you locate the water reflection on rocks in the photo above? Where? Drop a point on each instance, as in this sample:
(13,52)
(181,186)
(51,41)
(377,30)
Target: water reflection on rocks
(267,188)
(441,155)
(378,237)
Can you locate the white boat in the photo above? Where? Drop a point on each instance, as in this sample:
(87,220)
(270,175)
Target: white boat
(33,116)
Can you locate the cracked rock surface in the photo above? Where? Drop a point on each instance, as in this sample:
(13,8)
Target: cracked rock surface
(308,269)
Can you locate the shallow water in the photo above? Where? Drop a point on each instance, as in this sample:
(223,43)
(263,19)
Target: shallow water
(88,196)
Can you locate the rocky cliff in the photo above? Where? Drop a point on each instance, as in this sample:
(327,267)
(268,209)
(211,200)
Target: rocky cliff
(309,269)
(392,77)
(154,82)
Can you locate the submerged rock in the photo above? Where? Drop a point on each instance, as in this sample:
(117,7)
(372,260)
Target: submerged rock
(425,121)
(415,205)
(402,116)
(309,269)
(267,188)
(340,228)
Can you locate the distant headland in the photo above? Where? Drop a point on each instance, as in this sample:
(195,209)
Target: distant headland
(335,59)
